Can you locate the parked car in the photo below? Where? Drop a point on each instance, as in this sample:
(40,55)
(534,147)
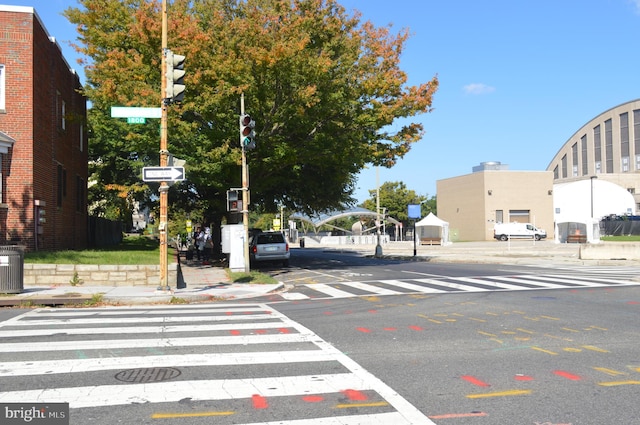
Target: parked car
(269,246)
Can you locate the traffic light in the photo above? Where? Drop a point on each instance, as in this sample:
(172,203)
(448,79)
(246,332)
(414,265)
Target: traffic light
(174,77)
(234,201)
(247,134)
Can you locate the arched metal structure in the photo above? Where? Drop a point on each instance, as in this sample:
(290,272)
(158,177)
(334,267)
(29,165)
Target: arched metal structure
(326,218)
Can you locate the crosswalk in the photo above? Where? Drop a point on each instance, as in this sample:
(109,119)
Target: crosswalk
(235,363)
(449,284)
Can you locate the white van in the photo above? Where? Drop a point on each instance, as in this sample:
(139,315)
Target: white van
(506,231)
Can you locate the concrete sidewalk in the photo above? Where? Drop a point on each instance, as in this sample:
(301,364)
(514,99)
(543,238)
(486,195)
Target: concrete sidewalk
(205,283)
(196,283)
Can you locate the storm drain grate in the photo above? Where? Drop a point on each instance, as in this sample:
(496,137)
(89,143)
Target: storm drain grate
(152,374)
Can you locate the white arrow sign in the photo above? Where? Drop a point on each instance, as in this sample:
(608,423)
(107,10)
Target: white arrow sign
(162,174)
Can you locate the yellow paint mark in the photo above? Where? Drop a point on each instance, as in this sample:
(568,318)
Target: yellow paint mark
(499,341)
(542,350)
(351,405)
(558,337)
(189,415)
(371,299)
(477,320)
(598,328)
(486,333)
(572,350)
(617,383)
(457,314)
(570,330)
(435,321)
(508,332)
(525,331)
(491,314)
(451,320)
(637,369)
(594,348)
(522,338)
(410,305)
(519,312)
(608,371)
(534,319)
(500,394)
(550,317)
(441,315)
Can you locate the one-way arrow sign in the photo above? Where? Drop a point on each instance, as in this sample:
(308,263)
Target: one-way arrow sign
(162,174)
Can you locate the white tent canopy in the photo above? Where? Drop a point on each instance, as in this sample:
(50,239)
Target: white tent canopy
(431,227)
(580,205)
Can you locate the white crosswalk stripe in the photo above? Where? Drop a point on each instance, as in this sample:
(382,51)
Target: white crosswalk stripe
(457,284)
(59,349)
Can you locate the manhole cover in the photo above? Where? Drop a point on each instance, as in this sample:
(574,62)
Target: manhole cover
(153,374)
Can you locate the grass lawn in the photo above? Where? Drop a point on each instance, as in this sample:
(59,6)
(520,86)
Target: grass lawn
(132,250)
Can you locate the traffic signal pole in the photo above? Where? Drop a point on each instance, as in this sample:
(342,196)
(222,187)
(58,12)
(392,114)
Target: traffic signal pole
(245,197)
(164,156)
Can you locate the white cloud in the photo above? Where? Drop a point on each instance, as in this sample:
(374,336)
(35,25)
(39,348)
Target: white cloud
(479,88)
(637,4)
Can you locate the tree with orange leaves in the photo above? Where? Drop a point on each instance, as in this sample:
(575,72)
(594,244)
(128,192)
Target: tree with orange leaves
(324,88)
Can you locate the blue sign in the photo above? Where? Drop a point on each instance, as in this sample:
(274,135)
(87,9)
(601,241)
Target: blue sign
(414,211)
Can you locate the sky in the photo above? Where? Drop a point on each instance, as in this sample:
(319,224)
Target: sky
(517,77)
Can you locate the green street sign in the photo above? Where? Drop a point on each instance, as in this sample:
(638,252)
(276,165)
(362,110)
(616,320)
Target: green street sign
(136,120)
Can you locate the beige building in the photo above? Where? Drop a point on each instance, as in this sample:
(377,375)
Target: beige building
(474,202)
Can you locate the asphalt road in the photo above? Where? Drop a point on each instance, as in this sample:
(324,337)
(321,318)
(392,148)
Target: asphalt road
(535,357)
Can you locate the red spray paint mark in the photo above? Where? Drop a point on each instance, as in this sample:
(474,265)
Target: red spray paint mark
(567,375)
(229,313)
(328,313)
(284,330)
(234,332)
(364,330)
(259,402)
(313,398)
(416,328)
(261,331)
(373,311)
(633,302)
(355,395)
(475,381)
(523,378)
(390,329)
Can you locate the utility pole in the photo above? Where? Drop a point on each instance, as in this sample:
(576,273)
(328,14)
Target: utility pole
(164,156)
(245,196)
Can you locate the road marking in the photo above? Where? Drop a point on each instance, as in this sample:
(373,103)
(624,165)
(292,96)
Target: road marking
(609,371)
(500,394)
(544,351)
(189,415)
(567,375)
(331,291)
(459,415)
(594,348)
(618,383)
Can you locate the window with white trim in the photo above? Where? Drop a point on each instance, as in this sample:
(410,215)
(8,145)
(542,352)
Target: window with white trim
(2,87)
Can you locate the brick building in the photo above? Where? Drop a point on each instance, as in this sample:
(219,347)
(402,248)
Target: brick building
(43,138)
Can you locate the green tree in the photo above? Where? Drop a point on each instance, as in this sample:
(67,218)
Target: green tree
(324,88)
(395,198)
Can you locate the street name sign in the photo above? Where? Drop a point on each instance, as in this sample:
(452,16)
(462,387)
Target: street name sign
(135,112)
(162,174)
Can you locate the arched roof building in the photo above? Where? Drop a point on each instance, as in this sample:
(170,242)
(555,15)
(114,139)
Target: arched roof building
(607,147)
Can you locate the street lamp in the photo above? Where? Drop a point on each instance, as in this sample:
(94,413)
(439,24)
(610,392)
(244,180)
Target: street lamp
(592,179)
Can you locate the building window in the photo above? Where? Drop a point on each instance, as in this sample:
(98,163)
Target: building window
(519,216)
(81,144)
(636,136)
(556,175)
(608,146)
(2,87)
(574,159)
(597,146)
(564,167)
(585,149)
(1,197)
(624,165)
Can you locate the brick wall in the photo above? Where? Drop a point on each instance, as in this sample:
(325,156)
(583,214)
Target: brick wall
(48,155)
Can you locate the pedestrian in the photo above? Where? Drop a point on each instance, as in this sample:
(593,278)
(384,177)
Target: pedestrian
(208,246)
(199,243)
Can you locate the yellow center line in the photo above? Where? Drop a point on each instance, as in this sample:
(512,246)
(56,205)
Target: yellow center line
(189,415)
(550,317)
(500,394)
(350,405)
(525,331)
(486,333)
(477,320)
(570,330)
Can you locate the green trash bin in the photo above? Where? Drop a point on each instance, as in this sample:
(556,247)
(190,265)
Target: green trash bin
(11,269)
